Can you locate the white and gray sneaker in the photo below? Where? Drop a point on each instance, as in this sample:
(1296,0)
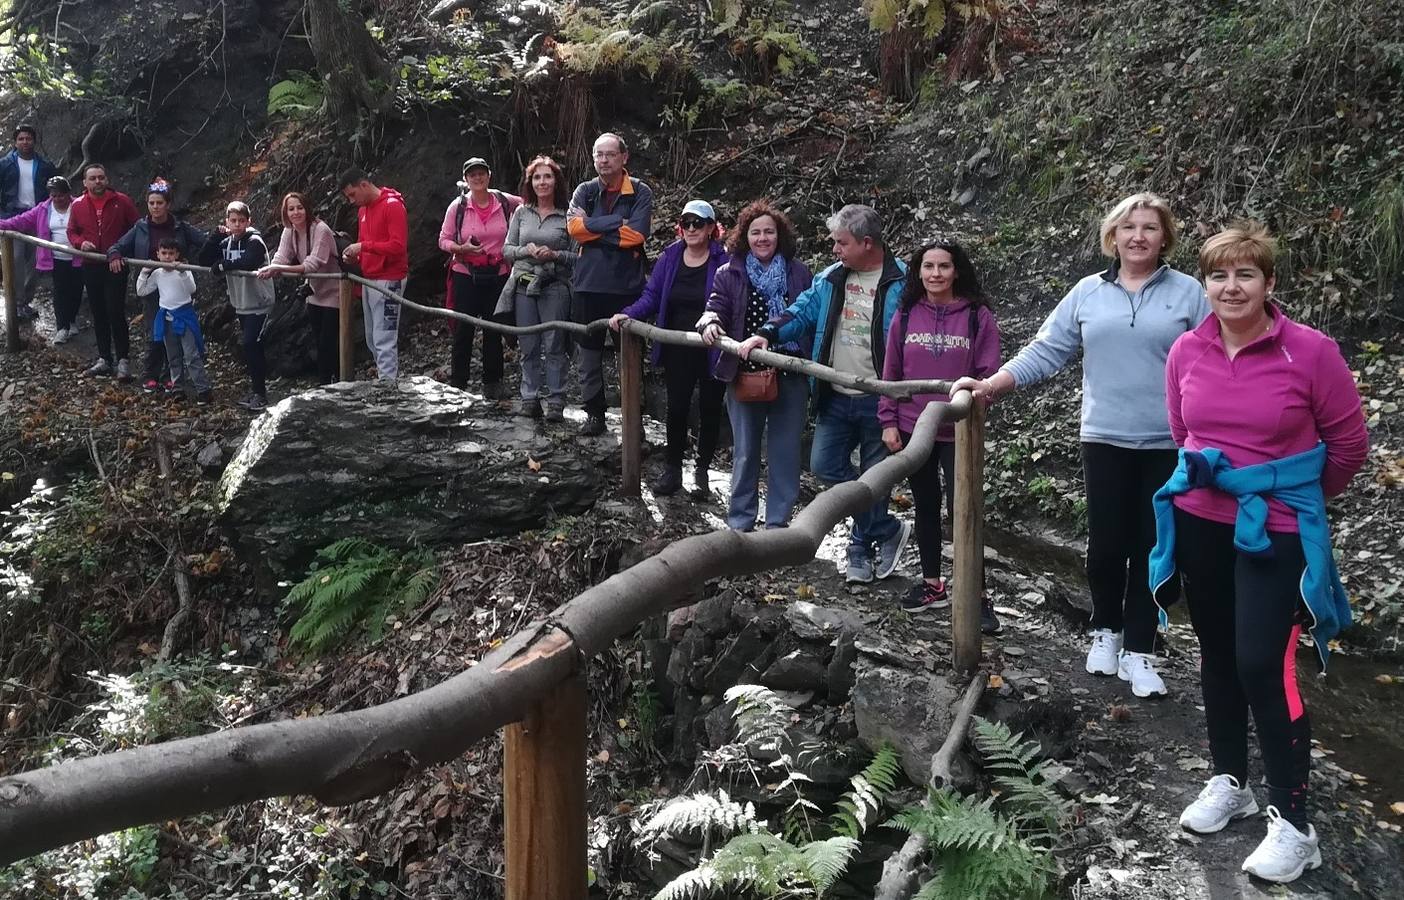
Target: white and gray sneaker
(60,336)
(101,367)
(1139,669)
(1102,658)
(124,371)
(1221,801)
(1285,853)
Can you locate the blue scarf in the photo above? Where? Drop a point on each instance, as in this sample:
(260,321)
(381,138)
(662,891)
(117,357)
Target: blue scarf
(772,281)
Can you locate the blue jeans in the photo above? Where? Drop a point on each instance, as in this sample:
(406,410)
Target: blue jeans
(780,423)
(846,422)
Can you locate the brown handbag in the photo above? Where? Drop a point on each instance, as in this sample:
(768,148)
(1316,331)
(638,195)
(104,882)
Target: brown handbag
(757,387)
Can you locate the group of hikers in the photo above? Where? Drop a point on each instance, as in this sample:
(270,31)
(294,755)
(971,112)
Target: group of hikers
(1213,427)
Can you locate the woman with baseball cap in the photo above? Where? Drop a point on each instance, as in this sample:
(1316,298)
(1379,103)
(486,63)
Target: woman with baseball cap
(676,295)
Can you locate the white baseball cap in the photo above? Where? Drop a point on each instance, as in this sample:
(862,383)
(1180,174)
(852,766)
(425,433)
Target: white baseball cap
(699,208)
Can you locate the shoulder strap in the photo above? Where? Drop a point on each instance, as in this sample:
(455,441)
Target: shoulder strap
(974,325)
(503,202)
(458,217)
(902,342)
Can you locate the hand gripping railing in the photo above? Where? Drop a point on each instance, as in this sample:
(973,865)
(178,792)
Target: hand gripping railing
(533,685)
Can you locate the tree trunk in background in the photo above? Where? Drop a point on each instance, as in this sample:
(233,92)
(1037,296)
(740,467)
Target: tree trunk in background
(348,58)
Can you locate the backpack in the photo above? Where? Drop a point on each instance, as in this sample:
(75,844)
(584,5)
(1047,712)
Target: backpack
(344,240)
(508,207)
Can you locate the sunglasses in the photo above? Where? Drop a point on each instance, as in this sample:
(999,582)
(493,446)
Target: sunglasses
(692,223)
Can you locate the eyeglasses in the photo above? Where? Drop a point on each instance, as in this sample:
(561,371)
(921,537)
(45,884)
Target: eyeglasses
(606,154)
(692,224)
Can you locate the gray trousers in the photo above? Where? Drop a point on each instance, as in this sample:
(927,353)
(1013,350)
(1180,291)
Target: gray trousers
(545,357)
(26,278)
(183,356)
(382,316)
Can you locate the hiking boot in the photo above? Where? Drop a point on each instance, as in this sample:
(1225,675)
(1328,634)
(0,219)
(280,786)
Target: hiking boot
(204,398)
(257,403)
(124,371)
(529,408)
(1139,669)
(1285,853)
(889,552)
(555,413)
(860,565)
(1221,801)
(924,595)
(1104,656)
(149,386)
(594,425)
(989,622)
(669,482)
(99,368)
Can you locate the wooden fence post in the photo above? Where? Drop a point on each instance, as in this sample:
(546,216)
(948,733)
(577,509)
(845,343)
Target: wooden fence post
(347,342)
(7,259)
(630,412)
(968,538)
(543,784)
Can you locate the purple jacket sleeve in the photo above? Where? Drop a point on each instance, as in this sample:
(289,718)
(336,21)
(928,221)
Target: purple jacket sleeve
(26,222)
(891,371)
(651,300)
(1335,403)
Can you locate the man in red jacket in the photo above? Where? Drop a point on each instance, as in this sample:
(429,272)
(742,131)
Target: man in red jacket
(96,221)
(381,248)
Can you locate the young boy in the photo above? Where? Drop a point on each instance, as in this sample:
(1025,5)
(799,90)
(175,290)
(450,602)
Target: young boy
(239,248)
(177,325)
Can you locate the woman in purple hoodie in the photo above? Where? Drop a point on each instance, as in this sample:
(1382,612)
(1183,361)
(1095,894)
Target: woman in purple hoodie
(944,329)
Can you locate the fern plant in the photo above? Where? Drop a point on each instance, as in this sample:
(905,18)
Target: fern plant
(999,848)
(803,855)
(299,94)
(353,585)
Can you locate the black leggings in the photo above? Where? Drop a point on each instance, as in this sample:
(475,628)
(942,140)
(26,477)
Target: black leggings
(252,325)
(927,493)
(1120,535)
(326,337)
(475,299)
(685,368)
(1247,612)
(107,300)
(68,293)
(155,362)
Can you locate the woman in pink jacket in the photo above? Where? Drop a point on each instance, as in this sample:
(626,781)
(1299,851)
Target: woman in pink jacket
(49,221)
(308,245)
(944,329)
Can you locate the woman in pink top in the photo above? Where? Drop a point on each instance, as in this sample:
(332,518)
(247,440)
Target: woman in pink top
(1261,389)
(474,230)
(308,245)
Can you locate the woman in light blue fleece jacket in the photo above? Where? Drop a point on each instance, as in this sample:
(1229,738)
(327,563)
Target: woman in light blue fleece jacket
(1124,320)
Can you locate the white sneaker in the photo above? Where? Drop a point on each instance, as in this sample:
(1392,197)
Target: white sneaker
(1285,853)
(1139,669)
(1102,657)
(101,367)
(61,336)
(124,371)
(1222,800)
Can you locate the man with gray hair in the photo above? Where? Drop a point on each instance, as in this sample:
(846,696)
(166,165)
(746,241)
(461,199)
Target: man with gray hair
(847,311)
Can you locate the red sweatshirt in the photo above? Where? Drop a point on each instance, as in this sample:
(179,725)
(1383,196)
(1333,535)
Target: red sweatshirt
(383,232)
(102,220)
(1281,395)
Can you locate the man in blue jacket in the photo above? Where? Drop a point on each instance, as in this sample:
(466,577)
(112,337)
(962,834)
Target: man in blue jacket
(24,176)
(847,311)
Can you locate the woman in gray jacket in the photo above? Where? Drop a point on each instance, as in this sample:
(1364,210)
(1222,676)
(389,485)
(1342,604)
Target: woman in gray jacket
(538,288)
(1124,321)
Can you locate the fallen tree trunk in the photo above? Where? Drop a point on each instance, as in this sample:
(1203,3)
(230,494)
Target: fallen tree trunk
(903,868)
(349,756)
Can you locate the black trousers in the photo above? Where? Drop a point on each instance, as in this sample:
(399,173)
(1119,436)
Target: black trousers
(107,300)
(586,307)
(68,293)
(475,299)
(1247,612)
(326,340)
(686,369)
(927,493)
(252,325)
(155,350)
(1120,535)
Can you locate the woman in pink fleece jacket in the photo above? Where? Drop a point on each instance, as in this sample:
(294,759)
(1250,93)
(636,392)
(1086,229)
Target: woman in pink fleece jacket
(1260,388)
(944,329)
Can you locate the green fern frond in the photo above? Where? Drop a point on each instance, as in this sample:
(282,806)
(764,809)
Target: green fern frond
(824,862)
(691,885)
(358,585)
(1026,794)
(761,717)
(700,812)
(860,805)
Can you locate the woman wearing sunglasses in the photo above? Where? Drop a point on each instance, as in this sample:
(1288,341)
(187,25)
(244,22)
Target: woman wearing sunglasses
(676,297)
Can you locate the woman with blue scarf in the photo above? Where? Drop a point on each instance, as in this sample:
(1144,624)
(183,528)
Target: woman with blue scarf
(759,281)
(1267,417)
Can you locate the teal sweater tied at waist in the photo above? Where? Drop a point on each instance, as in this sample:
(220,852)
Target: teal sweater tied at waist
(1296,482)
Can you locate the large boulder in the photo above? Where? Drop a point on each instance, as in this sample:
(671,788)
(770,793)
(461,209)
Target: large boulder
(910,709)
(406,462)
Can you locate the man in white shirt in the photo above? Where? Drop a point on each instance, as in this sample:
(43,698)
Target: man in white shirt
(24,175)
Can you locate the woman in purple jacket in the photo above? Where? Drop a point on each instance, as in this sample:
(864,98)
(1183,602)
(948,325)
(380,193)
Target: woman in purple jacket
(944,329)
(760,280)
(676,296)
(49,221)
